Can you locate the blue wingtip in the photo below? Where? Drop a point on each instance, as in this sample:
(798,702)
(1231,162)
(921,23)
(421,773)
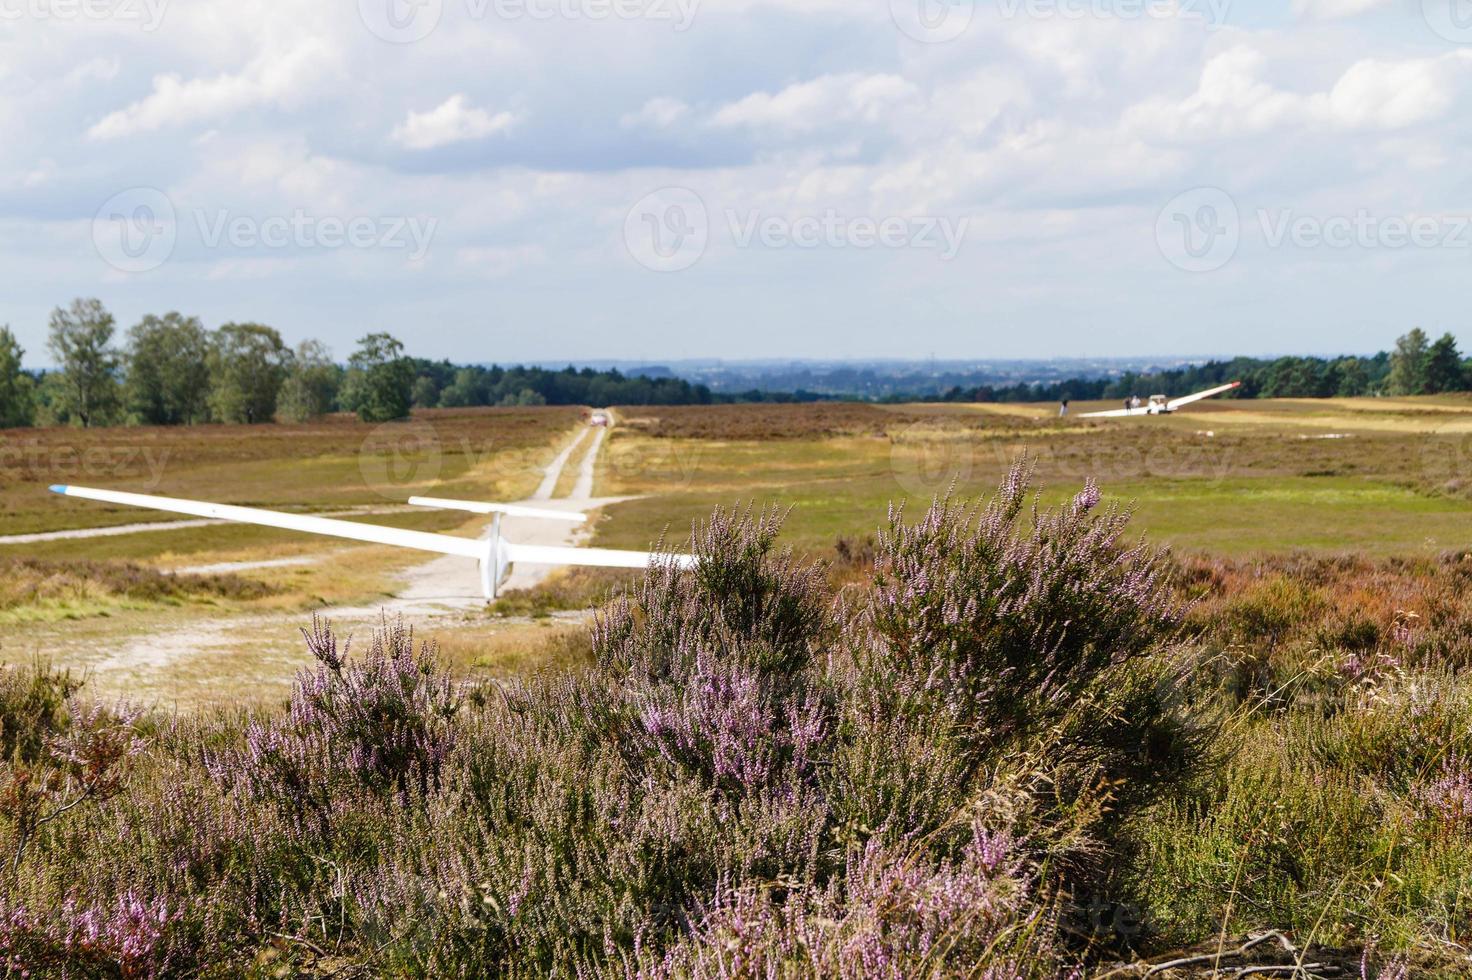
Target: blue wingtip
(59,488)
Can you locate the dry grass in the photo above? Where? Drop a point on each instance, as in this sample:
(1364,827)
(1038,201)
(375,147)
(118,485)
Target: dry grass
(32,588)
(333,463)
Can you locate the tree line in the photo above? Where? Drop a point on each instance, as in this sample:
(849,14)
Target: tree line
(1417,366)
(171,370)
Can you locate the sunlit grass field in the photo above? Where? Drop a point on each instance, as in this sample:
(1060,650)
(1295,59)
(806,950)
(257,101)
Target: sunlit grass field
(1373,476)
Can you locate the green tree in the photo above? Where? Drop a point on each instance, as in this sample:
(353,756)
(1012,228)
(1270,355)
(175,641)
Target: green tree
(168,377)
(248,364)
(80,340)
(1408,364)
(1349,378)
(383,379)
(1444,371)
(425,394)
(467,389)
(17,394)
(311,383)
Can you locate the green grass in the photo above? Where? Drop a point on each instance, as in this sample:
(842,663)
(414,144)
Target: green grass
(1265,487)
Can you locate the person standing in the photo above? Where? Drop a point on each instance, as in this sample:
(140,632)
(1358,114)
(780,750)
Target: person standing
(1063,409)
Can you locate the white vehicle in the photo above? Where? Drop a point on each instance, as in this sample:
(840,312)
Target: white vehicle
(495,554)
(599,418)
(1160,404)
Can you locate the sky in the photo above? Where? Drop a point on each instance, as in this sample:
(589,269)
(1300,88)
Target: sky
(661,179)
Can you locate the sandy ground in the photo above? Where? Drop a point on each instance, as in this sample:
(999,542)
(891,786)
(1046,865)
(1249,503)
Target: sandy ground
(441,592)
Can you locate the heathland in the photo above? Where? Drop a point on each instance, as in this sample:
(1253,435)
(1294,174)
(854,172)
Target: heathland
(1014,739)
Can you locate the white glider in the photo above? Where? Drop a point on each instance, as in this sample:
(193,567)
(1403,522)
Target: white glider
(1160,405)
(509,510)
(495,553)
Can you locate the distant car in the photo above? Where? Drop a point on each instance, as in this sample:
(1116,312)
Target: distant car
(598,418)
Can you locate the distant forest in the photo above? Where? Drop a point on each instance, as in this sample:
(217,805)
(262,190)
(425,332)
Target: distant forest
(1417,366)
(171,370)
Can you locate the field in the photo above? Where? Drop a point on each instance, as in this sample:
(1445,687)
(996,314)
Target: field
(987,748)
(1372,477)
(1377,476)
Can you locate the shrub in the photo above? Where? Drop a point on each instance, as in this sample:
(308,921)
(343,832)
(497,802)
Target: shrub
(383,723)
(1002,649)
(751,775)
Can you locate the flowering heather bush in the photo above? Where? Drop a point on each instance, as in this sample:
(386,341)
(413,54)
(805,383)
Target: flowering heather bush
(381,723)
(753,777)
(1448,798)
(126,939)
(1003,659)
(991,622)
(901,914)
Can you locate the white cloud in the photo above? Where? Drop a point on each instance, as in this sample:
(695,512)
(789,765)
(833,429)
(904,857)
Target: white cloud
(1060,136)
(1233,100)
(270,78)
(822,102)
(453,121)
(1389,95)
